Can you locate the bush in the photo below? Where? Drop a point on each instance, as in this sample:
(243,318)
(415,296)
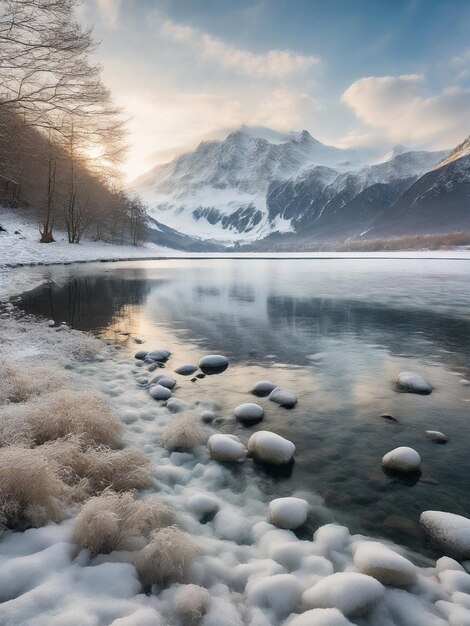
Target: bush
(183,434)
(31,492)
(165,559)
(18,384)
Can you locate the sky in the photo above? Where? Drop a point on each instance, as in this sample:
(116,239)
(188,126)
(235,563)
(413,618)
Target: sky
(370,73)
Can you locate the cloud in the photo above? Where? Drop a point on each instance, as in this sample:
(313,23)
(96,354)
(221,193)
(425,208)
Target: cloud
(274,64)
(109,11)
(401,109)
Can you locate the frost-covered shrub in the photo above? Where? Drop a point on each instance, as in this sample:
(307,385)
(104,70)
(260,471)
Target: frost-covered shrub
(166,557)
(115,521)
(19,383)
(184,433)
(97,468)
(31,492)
(62,413)
(190,603)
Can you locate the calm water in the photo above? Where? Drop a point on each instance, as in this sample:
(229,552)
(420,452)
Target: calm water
(337,332)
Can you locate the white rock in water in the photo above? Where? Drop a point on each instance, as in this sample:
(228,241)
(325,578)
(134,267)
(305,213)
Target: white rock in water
(268,447)
(213,363)
(380,562)
(164,381)
(226,448)
(283,397)
(249,413)
(437,436)
(449,531)
(263,388)
(186,370)
(414,383)
(349,592)
(50,323)
(280,593)
(288,512)
(319,617)
(158,392)
(203,504)
(402,459)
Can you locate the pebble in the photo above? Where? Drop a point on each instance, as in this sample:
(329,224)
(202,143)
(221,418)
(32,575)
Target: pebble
(186,370)
(213,363)
(158,392)
(263,388)
(249,413)
(283,397)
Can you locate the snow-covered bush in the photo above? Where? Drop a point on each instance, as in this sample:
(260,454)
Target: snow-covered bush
(19,383)
(184,433)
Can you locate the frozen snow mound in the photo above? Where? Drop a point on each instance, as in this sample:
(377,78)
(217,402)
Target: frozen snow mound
(449,531)
(319,617)
(226,448)
(413,383)
(288,513)
(402,459)
(280,593)
(249,413)
(349,592)
(268,447)
(385,565)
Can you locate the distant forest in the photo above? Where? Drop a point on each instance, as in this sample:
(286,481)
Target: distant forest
(62,139)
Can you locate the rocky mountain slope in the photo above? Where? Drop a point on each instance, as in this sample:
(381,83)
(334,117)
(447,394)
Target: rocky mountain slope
(258,185)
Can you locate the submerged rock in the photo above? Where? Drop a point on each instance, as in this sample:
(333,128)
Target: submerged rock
(283,397)
(288,512)
(349,592)
(263,388)
(268,447)
(186,369)
(164,381)
(158,355)
(449,531)
(207,417)
(213,363)
(402,459)
(413,383)
(158,392)
(437,436)
(249,413)
(380,562)
(226,448)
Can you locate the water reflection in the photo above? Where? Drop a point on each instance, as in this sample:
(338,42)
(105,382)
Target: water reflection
(337,333)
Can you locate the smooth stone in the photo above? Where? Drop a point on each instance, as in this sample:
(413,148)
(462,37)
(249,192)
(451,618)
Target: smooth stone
(207,417)
(268,447)
(383,564)
(141,354)
(319,617)
(158,355)
(288,512)
(50,323)
(226,448)
(186,370)
(402,459)
(249,413)
(263,388)
(437,436)
(390,418)
(349,592)
(138,340)
(158,392)
(283,397)
(213,363)
(413,383)
(152,367)
(164,381)
(449,531)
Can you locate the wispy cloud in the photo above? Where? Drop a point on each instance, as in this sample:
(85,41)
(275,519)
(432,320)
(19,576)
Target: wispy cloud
(401,109)
(109,12)
(273,64)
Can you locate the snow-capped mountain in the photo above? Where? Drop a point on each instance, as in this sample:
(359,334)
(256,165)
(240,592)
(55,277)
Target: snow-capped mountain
(258,182)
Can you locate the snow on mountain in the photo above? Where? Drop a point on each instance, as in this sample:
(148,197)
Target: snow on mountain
(258,181)
(460,151)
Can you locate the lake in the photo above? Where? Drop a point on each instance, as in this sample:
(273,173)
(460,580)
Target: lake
(336,332)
